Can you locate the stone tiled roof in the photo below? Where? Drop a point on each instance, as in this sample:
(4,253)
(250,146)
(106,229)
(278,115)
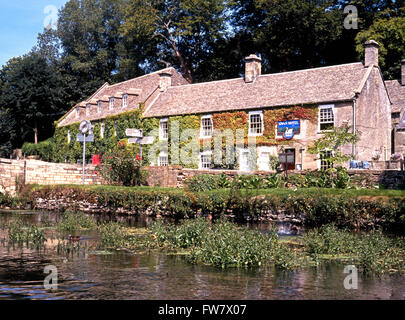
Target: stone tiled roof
(397,95)
(139,90)
(327,84)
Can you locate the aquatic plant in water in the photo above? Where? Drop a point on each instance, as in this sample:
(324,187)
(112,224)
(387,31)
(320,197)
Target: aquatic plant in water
(73,221)
(19,234)
(373,252)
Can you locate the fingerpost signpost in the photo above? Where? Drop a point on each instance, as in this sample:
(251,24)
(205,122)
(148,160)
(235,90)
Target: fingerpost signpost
(85,128)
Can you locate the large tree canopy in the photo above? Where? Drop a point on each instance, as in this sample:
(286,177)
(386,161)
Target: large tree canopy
(30,99)
(185,32)
(114,40)
(390,34)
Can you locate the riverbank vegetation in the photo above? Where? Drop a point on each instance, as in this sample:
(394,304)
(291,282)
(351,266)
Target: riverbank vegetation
(221,244)
(313,207)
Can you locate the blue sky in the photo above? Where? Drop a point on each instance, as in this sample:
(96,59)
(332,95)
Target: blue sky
(20,23)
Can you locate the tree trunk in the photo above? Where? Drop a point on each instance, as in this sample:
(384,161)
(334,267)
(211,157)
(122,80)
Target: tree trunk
(36,134)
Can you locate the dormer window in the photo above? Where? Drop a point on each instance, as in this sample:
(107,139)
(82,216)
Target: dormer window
(125,101)
(88,109)
(77,112)
(102,130)
(99,107)
(111,103)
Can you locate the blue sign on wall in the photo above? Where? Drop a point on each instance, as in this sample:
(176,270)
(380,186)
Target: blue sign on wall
(283,126)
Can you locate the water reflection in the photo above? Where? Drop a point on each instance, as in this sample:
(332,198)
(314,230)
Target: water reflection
(157,276)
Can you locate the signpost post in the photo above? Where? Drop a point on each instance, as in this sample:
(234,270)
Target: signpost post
(85,127)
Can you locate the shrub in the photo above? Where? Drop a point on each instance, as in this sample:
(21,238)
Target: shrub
(248,182)
(42,149)
(122,166)
(205,182)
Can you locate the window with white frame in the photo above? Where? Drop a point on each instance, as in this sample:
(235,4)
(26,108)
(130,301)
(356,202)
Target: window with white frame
(324,163)
(164,129)
(111,103)
(102,130)
(125,101)
(206,160)
(207,127)
(99,107)
(326,118)
(256,125)
(77,112)
(163,159)
(69,138)
(88,110)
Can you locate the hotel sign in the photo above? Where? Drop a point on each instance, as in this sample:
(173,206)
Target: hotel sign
(289,128)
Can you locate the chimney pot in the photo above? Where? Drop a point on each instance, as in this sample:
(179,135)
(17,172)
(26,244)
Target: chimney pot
(403,72)
(165,80)
(253,68)
(371,53)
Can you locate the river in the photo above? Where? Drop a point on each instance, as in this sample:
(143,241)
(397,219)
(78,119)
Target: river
(157,276)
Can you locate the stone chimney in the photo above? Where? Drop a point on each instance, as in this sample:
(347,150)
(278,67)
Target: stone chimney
(253,68)
(371,53)
(165,80)
(403,72)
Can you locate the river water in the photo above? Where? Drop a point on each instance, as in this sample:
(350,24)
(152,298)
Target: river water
(157,276)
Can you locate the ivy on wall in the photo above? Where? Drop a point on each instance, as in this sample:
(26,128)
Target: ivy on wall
(179,151)
(115,127)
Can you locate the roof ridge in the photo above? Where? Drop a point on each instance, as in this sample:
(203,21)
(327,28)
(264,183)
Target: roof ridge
(145,75)
(266,75)
(311,69)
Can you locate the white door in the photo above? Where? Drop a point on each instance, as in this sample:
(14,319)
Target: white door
(263,159)
(244,164)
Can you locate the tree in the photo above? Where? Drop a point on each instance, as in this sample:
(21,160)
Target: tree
(390,34)
(333,141)
(184,31)
(8,133)
(30,99)
(90,41)
(294,34)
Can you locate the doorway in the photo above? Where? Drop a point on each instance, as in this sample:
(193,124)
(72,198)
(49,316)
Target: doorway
(290,159)
(244,161)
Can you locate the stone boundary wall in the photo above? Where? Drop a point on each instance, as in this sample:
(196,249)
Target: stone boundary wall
(44,173)
(175,176)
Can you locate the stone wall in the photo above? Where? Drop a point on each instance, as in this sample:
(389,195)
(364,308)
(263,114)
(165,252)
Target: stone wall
(44,173)
(175,176)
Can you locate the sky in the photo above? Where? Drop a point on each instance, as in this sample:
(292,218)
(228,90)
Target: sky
(20,23)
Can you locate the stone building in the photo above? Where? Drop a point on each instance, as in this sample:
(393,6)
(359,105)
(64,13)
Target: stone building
(396,91)
(282,113)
